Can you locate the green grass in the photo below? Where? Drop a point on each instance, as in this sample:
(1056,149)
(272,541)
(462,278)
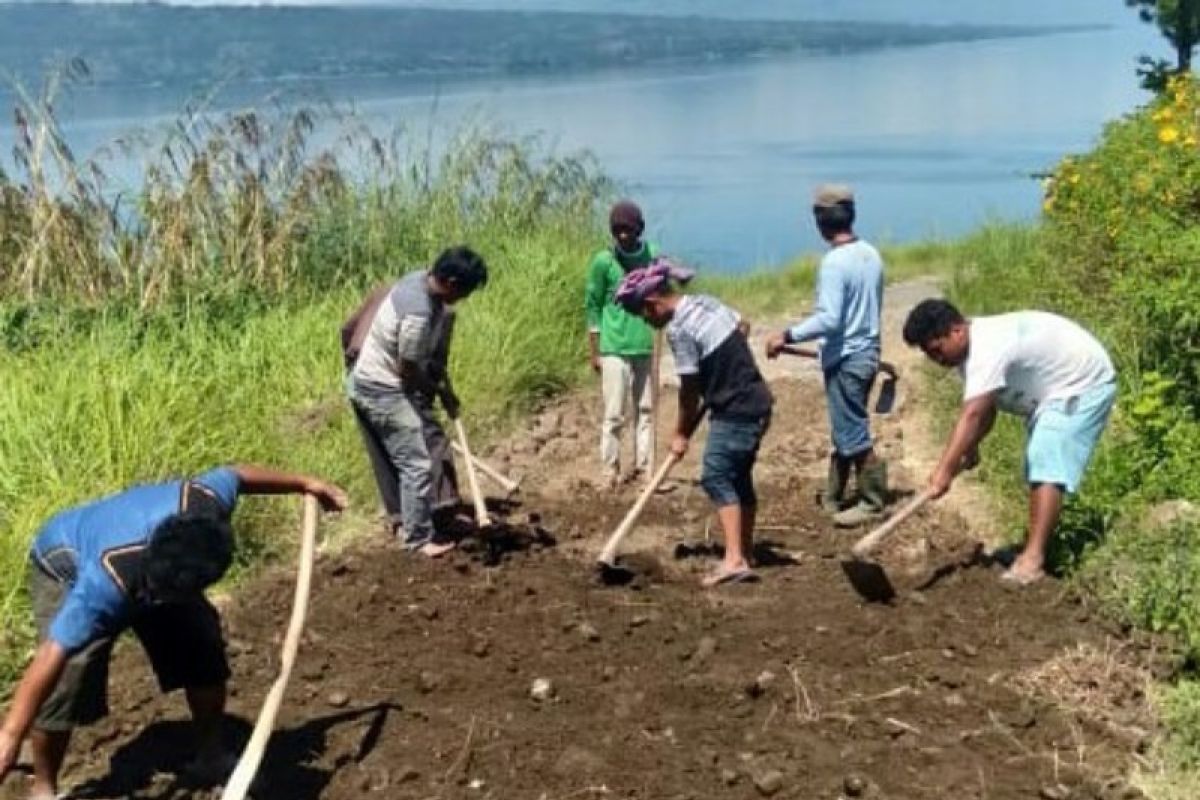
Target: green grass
(203,329)
(130,401)
(774,292)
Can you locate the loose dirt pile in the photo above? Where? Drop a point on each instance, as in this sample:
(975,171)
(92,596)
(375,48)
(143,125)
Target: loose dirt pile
(507,671)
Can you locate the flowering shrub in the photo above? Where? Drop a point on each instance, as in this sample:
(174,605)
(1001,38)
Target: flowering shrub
(1123,226)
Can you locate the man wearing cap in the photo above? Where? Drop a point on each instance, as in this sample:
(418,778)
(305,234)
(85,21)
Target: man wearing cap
(620,343)
(847,320)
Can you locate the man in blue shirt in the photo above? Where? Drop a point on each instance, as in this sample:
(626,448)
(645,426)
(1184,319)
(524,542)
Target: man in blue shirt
(847,319)
(139,559)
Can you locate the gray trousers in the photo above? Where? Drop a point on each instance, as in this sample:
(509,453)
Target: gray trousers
(411,460)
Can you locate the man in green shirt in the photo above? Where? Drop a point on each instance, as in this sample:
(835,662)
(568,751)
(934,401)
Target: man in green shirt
(621,343)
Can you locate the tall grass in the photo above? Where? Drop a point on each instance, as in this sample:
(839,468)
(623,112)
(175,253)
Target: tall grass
(193,319)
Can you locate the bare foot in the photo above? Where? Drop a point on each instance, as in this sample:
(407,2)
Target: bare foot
(436,549)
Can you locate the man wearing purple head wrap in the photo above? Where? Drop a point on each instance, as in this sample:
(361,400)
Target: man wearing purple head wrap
(621,344)
(714,363)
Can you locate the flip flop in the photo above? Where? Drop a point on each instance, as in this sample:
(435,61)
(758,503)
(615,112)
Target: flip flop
(723,576)
(1014,578)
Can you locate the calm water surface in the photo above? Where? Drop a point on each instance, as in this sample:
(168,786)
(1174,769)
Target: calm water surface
(935,140)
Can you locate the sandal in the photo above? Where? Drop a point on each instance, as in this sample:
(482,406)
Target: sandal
(722,576)
(1011,576)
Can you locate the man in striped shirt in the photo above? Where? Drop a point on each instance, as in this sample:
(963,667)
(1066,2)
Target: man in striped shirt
(714,363)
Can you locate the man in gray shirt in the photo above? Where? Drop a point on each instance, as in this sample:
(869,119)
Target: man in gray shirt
(396,373)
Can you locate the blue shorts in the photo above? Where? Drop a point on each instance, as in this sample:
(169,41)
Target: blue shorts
(729,456)
(847,389)
(1063,435)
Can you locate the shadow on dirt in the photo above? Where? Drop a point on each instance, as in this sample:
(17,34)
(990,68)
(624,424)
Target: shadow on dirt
(154,763)
(977,557)
(767,553)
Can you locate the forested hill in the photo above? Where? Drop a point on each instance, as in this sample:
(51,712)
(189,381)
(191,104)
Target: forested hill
(151,44)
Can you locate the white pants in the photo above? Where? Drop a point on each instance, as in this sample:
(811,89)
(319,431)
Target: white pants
(626,384)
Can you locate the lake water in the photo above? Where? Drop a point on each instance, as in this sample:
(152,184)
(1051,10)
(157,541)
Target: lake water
(935,140)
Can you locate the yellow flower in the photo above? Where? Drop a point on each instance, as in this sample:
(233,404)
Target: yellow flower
(1048,205)
(1163,115)
(1190,140)
(1074,178)
(1168,134)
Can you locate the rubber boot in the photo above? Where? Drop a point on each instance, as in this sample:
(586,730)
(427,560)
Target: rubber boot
(835,488)
(872,494)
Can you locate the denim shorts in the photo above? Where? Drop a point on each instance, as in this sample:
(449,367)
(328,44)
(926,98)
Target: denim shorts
(1063,435)
(729,456)
(847,389)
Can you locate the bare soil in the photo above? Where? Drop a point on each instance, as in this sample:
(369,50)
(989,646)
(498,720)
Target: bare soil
(415,678)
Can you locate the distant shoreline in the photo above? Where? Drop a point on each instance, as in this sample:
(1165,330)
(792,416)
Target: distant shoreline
(136,45)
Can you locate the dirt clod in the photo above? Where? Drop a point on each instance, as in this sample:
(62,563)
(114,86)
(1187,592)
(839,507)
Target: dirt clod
(854,786)
(589,632)
(768,782)
(428,682)
(705,649)
(337,699)
(542,690)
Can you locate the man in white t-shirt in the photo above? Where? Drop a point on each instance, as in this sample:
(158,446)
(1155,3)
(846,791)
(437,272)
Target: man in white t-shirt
(1040,366)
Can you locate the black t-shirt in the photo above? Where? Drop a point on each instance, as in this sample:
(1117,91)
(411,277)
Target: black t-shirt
(706,342)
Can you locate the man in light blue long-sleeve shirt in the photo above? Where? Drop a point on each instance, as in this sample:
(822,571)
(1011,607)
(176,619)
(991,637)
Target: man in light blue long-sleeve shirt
(847,321)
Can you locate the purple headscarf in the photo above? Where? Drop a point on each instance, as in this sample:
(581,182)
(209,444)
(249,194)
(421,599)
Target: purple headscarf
(639,284)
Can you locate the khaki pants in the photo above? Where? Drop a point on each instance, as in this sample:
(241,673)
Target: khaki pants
(626,385)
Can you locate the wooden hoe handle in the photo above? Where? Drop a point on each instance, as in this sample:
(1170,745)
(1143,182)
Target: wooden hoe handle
(609,553)
(610,548)
(505,483)
(481,514)
(886,367)
(243,774)
(869,542)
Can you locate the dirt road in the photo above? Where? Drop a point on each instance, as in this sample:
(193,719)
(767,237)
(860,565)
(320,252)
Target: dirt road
(415,677)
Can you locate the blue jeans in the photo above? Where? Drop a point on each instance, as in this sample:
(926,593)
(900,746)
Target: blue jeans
(396,422)
(847,389)
(729,456)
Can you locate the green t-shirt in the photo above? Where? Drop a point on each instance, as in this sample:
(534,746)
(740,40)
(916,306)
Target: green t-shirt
(621,333)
